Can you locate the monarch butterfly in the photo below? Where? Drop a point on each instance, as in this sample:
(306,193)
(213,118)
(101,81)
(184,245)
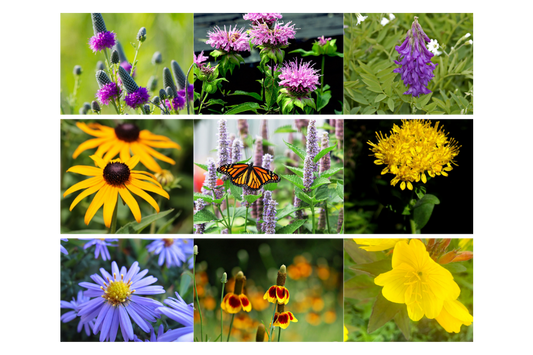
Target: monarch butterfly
(248,175)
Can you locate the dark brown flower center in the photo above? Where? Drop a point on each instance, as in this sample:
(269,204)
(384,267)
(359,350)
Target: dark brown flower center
(127,132)
(116,173)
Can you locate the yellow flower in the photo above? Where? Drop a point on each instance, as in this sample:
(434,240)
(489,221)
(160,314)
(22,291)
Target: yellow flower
(345,333)
(121,140)
(414,150)
(377,244)
(453,315)
(417,281)
(283,319)
(234,301)
(110,179)
(278,294)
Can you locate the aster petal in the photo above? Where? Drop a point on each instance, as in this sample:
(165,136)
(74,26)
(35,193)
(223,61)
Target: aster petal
(130,201)
(143,195)
(101,318)
(91,143)
(137,319)
(184,334)
(67,317)
(109,206)
(125,324)
(143,311)
(133,271)
(114,326)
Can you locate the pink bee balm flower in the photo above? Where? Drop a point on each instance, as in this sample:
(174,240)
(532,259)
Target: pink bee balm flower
(263,17)
(323,41)
(299,79)
(231,40)
(199,61)
(278,36)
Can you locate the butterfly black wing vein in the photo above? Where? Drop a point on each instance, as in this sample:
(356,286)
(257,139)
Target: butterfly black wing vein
(248,175)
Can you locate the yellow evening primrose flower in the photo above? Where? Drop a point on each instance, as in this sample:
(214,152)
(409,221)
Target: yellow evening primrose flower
(123,139)
(453,315)
(414,150)
(417,281)
(345,333)
(377,244)
(110,179)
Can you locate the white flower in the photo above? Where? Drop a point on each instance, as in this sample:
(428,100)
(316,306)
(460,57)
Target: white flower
(467,35)
(360,18)
(392,17)
(433,47)
(471,42)
(384,21)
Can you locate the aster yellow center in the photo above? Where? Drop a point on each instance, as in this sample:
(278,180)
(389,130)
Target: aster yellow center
(117,292)
(168,242)
(116,173)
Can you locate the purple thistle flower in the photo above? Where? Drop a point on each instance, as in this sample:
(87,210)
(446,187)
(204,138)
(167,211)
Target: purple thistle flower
(177,103)
(74,305)
(199,205)
(102,40)
(236,154)
(180,312)
(262,35)
(312,143)
(415,63)
(137,98)
(323,41)
(107,93)
(325,161)
(199,61)
(190,91)
(299,79)
(116,300)
(340,220)
(263,17)
(231,40)
(101,247)
(169,251)
(339,131)
(63,249)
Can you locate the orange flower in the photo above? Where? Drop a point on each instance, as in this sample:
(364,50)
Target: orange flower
(277,293)
(233,302)
(283,319)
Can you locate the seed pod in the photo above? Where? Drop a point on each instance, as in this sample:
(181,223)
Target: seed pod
(146,109)
(141,35)
(168,81)
(156,100)
(98,23)
(95,106)
(102,78)
(114,57)
(179,75)
(122,56)
(162,94)
(152,83)
(130,84)
(157,58)
(77,70)
(170,92)
(87,106)
(100,65)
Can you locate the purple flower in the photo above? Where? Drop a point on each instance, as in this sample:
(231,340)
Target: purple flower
(177,103)
(137,98)
(101,247)
(211,180)
(263,17)
(299,79)
(224,231)
(236,153)
(223,149)
(321,224)
(231,40)
(107,93)
(312,143)
(297,204)
(267,160)
(115,301)
(74,305)
(169,250)
(323,41)
(199,205)
(63,249)
(102,40)
(199,61)
(415,63)
(263,35)
(243,129)
(325,161)
(309,167)
(182,313)
(339,130)
(269,214)
(153,337)
(190,91)
(245,192)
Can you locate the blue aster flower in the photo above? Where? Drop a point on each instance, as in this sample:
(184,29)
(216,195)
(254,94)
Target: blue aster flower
(101,247)
(63,249)
(182,313)
(172,251)
(153,337)
(74,305)
(118,299)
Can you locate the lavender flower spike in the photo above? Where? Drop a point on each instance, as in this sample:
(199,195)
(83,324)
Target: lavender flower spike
(308,173)
(102,38)
(269,216)
(415,63)
(312,143)
(340,220)
(339,131)
(199,205)
(325,161)
(236,154)
(223,149)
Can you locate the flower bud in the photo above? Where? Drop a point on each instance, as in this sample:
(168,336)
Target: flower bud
(102,78)
(156,100)
(86,106)
(95,106)
(77,70)
(115,59)
(157,58)
(98,23)
(146,109)
(195,252)
(282,276)
(239,283)
(128,82)
(162,94)
(224,278)
(170,92)
(82,110)
(179,75)
(100,65)
(260,335)
(164,177)
(152,83)
(141,36)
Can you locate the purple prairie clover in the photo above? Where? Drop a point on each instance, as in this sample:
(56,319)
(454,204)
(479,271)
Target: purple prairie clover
(62,248)
(236,154)
(323,41)
(108,91)
(308,178)
(177,103)
(127,66)
(117,297)
(101,247)
(269,216)
(232,40)
(339,131)
(415,63)
(325,161)
(189,92)
(263,17)
(136,96)
(74,305)
(182,313)
(299,79)
(276,37)
(199,205)
(169,251)
(179,75)
(102,38)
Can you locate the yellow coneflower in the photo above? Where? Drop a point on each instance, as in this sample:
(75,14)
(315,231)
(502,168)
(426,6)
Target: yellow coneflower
(234,301)
(414,150)
(110,179)
(123,139)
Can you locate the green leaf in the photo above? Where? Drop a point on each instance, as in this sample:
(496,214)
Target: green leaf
(185,283)
(299,152)
(402,321)
(285,129)
(380,97)
(330,172)
(382,312)
(361,287)
(203,166)
(375,268)
(455,268)
(207,199)
(390,103)
(252,94)
(366,67)
(357,97)
(319,182)
(295,180)
(304,197)
(251,198)
(424,99)
(322,192)
(297,171)
(135,228)
(244,107)
(270,186)
(236,191)
(164,227)
(322,153)
(357,254)
(286,211)
(340,191)
(204,216)
(423,209)
(291,228)
(323,100)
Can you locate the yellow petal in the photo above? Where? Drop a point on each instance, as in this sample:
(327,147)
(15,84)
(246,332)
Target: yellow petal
(99,161)
(149,187)
(132,162)
(143,195)
(93,132)
(115,149)
(130,201)
(125,153)
(83,185)
(91,143)
(453,315)
(146,159)
(97,202)
(85,170)
(86,193)
(109,205)
(157,155)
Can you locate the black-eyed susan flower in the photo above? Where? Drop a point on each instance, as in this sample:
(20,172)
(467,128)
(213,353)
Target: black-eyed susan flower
(278,293)
(125,139)
(234,301)
(110,179)
(283,318)
(414,150)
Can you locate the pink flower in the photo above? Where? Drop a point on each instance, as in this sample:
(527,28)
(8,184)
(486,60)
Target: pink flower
(263,17)
(231,40)
(323,41)
(299,79)
(279,36)
(199,61)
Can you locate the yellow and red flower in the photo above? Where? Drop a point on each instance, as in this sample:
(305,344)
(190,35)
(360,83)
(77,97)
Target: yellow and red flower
(278,294)
(233,302)
(283,319)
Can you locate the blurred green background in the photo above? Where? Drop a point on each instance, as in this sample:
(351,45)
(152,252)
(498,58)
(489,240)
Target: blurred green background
(370,46)
(171,34)
(314,269)
(180,131)
(357,311)
(80,264)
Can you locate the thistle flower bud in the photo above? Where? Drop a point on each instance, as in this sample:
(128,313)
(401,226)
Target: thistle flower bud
(95,107)
(130,84)
(157,58)
(179,75)
(170,92)
(224,278)
(168,81)
(77,70)
(260,335)
(82,111)
(141,35)
(100,65)
(195,252)
(152,83)
(146,109)
(122,56)
(87,106)
(156,100)
(162,94)
(102,78)
(98,23)
(114,57)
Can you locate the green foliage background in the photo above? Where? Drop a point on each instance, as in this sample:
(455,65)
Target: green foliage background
(371,87)
(357,311)
(170,33)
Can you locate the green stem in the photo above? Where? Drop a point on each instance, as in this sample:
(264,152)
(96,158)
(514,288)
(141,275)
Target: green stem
(152,226)
(322,72)
(272,322)
(412,223)
(113,228)
(246,221)
(327,216)
(230,223)
(197,300)
(230,326)
(221,317)
(134,64)
(279,334)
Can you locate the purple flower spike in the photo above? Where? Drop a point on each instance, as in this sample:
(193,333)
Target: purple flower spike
(107,93)
(199,205)
(232,40)
(340,220)
(312,143)
(74,305)
(245,192)
(101,247)
(267,161)
(263,17)
(339,130)
(269,214)
(242,124)
(102,40)
(236,154)
(299,79)
(415,63)
(308,172)
(137,98)
(210,175)
(325,161)
(223,148)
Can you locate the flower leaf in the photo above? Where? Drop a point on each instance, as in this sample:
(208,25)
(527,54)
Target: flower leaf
(135,228)
(289,229)
(361,287)
(246,106)
(203,166)
(319,182)
(299,152)
(285,129)
(303,196)
(382,312)
(297,171)
(402,321)
(330,172)
(206,198)
(322,153)
(167,224)
(375,268)
(236,191)
(251,198)
(204,216)
(295,180)
(252,94)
